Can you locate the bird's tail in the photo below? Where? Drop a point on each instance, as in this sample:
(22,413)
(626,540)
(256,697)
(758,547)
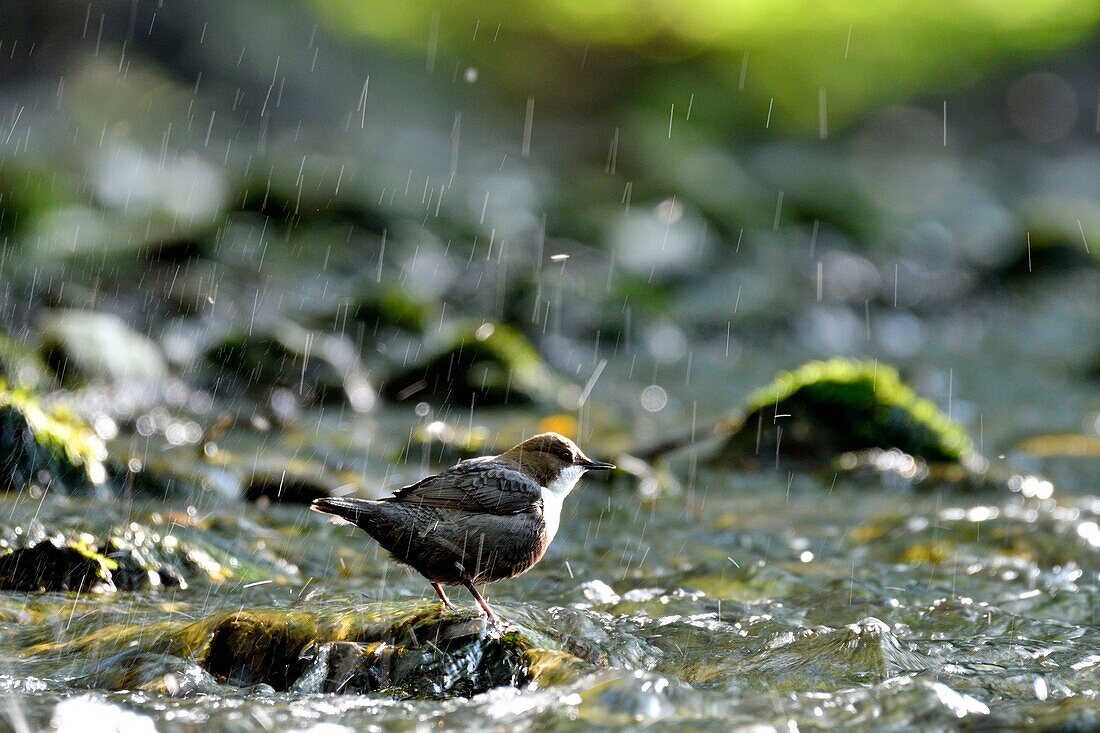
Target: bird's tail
(353,510)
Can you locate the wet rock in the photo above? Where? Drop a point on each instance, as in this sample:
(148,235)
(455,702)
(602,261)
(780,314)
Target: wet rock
(312,366)
(48,566)
(808,417)
(83,346)
(270,477)
(40,449)
(132,558)
(486,364)
(419,654)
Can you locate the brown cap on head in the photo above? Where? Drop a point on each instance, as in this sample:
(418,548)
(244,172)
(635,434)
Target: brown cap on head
(549,453)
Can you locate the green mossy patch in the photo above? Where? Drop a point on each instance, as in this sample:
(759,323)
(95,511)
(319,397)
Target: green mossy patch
(46,449)
(821,410)
(392,307)
(484,364)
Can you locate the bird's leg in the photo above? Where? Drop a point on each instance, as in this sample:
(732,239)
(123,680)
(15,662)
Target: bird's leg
(481,602)
(443,596)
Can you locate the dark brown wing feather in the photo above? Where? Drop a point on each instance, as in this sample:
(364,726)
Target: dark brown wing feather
(485,487)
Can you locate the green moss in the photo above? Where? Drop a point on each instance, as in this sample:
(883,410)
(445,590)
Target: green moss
(46,447)
(393,307)
(824,409)
(487,363)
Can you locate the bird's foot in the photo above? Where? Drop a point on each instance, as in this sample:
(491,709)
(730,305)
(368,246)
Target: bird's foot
(443,597)
(494,619)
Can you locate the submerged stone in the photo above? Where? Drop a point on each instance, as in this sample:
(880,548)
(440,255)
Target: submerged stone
(42,449)
(486,364)
(812,415)
(313,366)
(863,652)
(84,346)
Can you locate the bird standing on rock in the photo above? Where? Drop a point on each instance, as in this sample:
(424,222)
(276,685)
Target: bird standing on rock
(480,521)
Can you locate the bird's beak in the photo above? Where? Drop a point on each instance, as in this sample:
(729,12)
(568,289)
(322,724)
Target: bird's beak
(591,465)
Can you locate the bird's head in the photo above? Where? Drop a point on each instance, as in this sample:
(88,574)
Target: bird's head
(553,459)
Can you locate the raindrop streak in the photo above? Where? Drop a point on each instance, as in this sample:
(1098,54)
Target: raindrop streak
(822,114)
(528,123)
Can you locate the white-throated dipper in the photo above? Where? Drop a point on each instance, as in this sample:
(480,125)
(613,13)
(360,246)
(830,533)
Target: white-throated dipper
(480,521)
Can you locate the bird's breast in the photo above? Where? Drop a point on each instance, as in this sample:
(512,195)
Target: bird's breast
(551,513)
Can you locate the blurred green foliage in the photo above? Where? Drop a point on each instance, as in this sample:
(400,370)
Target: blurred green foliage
(810,65)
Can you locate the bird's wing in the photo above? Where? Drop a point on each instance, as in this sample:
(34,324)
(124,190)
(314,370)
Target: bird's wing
(474,487)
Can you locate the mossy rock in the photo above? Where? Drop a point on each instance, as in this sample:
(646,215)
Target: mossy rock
(46,449)
(809,417)
(419,653)
(50,566)
(1055,236)
(391,307)
(483,364)
(316,367)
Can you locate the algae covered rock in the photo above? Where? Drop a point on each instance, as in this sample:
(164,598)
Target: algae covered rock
(421,655)
(51,566)
(391,307)
(821,410)
(486,364)
(404,653)
(46,449)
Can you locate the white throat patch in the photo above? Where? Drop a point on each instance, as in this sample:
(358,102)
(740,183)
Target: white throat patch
(553,496)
